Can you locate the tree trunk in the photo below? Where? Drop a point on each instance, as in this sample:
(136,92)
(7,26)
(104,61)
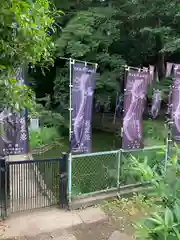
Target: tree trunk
(160,55)
(161,66)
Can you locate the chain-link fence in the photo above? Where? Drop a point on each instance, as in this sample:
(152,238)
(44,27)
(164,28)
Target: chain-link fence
(95,172)
(150,156)
(105,171)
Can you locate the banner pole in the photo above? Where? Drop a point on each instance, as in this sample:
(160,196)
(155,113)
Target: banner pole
(70,132)
(80,61)
(168,140)
(115,107)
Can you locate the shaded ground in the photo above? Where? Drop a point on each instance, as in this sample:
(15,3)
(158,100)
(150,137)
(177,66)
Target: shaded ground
(124,213)
(120,214)
(99,231)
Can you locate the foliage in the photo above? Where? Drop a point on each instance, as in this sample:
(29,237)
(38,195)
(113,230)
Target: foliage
(113,33)
(49,118)
(164,86)
(154,130)
(96,30)
(137,205)
(165,222)
(24,27)
(43,136)
(151,157)
(154,134)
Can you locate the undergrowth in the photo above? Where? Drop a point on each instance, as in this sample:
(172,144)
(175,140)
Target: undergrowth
(44,136)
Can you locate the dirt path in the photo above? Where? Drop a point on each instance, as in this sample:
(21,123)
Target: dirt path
(106,230)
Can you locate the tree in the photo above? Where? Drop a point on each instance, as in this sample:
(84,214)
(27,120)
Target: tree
(157,21)
(112,33)
(96,31)
(25,39)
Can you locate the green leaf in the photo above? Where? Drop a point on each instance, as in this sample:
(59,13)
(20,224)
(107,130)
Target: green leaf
(169,219)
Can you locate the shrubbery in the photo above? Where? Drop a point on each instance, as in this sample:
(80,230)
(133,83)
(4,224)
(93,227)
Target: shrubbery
(43,136)
(164,223)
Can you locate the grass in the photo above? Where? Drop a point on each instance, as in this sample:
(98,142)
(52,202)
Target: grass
(43,136)
(124,212)
(137,204)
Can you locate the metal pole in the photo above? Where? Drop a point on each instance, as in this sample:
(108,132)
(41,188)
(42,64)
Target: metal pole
(168,140)
(167,149)
(80,61)
(117,95)
(70,132)
(119,169)
(131,67)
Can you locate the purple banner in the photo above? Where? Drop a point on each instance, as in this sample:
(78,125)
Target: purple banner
(98,106)
(14,129)
(156,103)
(134,103)
(168,69)
(119,103)
(82,104)
(151,71)
(176,103)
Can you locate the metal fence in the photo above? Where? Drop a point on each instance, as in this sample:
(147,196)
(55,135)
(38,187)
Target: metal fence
(105,171)
(27,185)
(32,184)
(95,172)
(3,188)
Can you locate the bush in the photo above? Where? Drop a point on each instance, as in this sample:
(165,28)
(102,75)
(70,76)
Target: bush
(154,130)
(164,223)
(43,136)
(49,118)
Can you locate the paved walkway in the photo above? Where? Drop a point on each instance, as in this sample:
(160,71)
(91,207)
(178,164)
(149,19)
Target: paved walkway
(50,220)
(87,224)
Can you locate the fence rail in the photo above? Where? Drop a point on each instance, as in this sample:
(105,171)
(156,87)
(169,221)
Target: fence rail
(111,170)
